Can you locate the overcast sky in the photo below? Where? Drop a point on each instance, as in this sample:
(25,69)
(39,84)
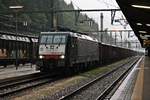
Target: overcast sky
(100,4)
(91,4)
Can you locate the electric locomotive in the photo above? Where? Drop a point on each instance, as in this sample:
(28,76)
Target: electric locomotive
(66,50)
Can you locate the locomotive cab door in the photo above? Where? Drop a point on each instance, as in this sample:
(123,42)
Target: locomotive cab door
(72,50)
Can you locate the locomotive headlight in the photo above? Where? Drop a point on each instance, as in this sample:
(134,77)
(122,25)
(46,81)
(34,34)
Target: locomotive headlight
(41,57)
(62,56)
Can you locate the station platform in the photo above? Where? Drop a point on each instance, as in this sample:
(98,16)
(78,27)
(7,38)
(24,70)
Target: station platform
(11,71)
(136,86)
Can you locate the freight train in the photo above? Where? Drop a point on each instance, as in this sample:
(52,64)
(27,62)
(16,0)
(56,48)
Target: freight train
(74,51)
(17,46)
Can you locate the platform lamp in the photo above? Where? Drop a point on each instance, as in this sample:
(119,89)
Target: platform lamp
(16,9)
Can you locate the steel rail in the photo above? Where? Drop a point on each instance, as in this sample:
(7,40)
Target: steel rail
(104,94)
(25,80)
(65,97)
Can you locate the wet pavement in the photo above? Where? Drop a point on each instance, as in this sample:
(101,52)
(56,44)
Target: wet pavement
(11,71)
(127,88)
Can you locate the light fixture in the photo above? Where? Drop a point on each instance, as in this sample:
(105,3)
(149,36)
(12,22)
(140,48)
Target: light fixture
(141,6)
(143,37)
(148,36)
(16,10)
(147,24)
(139,24)
(16,7)
(142,32)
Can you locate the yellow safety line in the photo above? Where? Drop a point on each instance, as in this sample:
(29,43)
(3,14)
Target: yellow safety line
(138,88)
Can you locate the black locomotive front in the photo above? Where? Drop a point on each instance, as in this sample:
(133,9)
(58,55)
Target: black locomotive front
(66,50)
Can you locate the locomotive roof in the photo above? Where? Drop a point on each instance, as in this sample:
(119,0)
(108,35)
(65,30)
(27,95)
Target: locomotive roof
(78,35)
(114,46)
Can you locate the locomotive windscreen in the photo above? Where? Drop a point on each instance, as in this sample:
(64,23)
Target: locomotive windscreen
(52,45)
(53,39)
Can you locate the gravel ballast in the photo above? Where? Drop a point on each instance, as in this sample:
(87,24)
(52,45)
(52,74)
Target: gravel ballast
(57,89)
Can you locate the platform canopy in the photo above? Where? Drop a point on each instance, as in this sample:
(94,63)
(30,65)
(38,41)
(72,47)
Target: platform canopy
(137,12)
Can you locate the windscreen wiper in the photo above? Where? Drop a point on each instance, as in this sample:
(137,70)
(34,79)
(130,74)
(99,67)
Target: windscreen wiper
(46,42)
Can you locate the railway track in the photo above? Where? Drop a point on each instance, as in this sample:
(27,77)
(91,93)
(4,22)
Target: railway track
(94,88)
(12,85)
